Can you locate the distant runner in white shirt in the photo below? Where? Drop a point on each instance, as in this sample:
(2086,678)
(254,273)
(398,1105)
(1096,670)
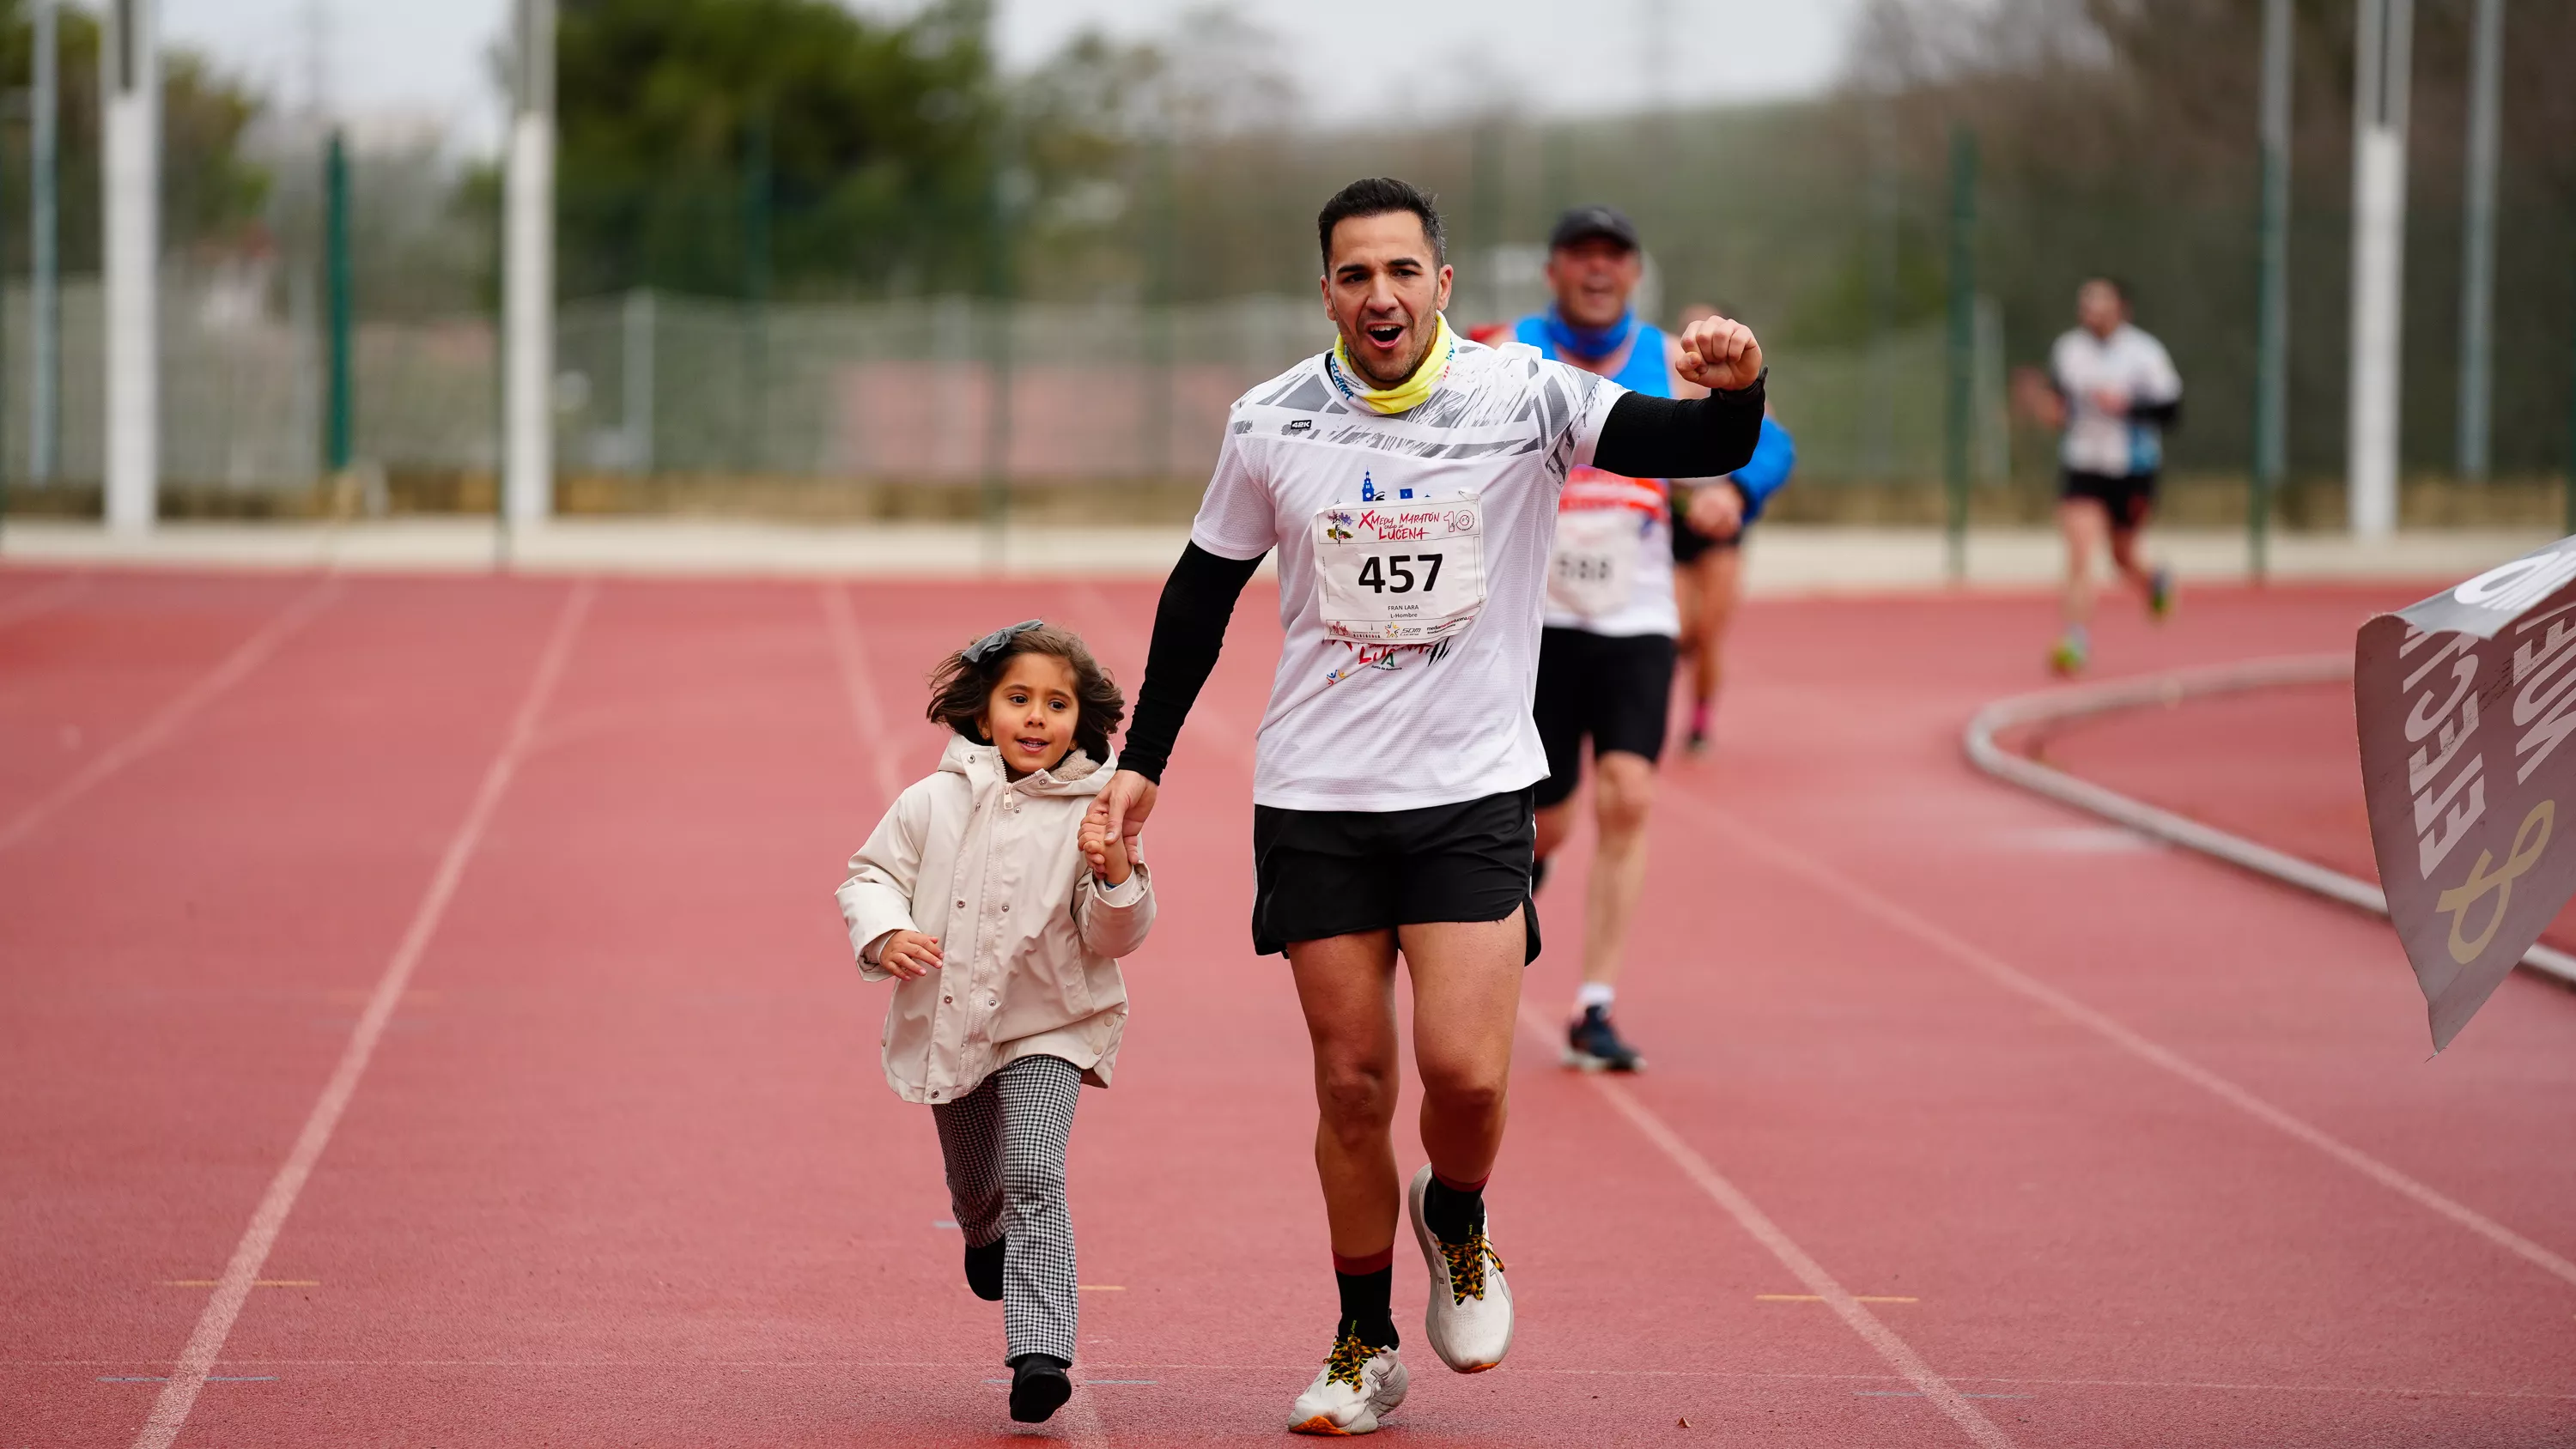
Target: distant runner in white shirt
(1409,480)
(2114,390)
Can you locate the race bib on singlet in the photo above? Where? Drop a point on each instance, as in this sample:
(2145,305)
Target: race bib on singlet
(1409,573)
(1593,568)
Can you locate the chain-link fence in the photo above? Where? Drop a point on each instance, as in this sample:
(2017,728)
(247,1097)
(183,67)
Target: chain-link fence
(955,391)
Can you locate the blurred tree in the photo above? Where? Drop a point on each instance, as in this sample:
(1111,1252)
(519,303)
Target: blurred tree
(877,139)
(210,191)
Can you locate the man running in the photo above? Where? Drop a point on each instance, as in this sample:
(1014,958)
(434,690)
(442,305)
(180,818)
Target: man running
(1605,669)
(2114,390)
(1409,480)
(1708,554)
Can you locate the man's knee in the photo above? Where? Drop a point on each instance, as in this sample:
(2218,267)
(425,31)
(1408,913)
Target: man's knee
(1357,1099)
(1624,791)
(1466,1088)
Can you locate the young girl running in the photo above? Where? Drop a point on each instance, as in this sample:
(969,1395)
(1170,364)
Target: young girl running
(996,899)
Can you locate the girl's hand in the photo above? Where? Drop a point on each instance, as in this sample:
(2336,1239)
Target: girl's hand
(907,955)
(1104,847)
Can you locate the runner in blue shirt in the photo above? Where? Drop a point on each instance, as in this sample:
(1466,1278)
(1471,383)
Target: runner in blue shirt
(1605,671)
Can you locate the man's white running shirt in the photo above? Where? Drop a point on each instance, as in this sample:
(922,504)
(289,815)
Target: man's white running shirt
(2129,362)
(1355,725)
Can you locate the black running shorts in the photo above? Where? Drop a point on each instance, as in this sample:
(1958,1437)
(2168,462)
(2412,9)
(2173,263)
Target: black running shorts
(1319,873)
(1617,691)
(1689,544)
(2127,497)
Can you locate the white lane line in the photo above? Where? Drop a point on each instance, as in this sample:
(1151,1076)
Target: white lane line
(38,602)
(1758,1226)
(215,1324)
(164,723)
(850,652)
(2012,979)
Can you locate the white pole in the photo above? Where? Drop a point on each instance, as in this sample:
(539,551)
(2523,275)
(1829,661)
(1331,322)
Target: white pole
(2477,233)
(130,77)
(527,326)
(44,290)
(2378,262)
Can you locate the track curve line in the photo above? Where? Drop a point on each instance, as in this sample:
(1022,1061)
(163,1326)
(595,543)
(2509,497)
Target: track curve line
(2056,706)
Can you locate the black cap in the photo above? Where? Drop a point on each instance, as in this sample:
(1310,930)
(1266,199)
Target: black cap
(1585,222)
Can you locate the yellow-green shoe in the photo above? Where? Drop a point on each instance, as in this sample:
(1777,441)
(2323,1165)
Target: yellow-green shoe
(2068,656)
(2160,593)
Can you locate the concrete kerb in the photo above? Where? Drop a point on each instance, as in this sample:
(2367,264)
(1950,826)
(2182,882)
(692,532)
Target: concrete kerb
(1784,560)
(2057,706)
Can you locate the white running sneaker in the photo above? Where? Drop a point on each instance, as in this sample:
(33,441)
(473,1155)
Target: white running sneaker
(1469,1320)
(1357,1384)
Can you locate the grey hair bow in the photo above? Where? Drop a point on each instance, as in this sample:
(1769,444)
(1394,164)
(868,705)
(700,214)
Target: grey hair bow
(976,651)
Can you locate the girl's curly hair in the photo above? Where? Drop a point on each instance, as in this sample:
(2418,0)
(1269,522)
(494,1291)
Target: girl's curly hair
(960,687)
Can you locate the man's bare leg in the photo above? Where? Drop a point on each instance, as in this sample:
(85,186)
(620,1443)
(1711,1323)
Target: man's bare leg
(1623,787)
(2086,525)
(2153,584)
(1719,579)
(1346,985)
(1466,1004)
(1466,993)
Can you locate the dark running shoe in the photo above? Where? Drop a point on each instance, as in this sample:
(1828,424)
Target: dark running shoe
(1593,1045)
(984,1269)
(1039,1387)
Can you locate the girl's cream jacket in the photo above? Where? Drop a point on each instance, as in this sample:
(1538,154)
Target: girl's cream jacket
(1029,939)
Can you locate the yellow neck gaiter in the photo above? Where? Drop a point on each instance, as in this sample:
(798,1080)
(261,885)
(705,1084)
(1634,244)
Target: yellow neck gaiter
(1408,394)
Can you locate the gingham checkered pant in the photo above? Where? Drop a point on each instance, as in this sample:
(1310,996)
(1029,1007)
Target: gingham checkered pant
(1004,1143)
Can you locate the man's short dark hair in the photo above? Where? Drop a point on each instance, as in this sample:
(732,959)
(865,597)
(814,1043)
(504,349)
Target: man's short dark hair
(1376,196)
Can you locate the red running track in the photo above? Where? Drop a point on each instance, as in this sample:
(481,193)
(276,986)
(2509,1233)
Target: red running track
(2281,765)
(2121,1145)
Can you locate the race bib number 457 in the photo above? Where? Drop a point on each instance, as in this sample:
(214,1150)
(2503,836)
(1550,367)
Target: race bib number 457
(1411,573)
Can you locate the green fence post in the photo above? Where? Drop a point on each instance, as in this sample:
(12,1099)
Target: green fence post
(756,204)
(1963,342)
(2271,294)
(338,438)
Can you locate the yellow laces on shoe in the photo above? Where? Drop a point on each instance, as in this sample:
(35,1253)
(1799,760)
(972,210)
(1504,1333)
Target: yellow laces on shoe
(1467,1265)
(1348,1357)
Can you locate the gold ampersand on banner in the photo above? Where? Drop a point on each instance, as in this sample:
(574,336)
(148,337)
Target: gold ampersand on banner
(2529,840)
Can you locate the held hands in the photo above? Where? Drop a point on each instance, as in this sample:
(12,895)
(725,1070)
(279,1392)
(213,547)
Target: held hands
(1720,355)
(1129,798)
(1716,509)
(1104,846)
(908,954)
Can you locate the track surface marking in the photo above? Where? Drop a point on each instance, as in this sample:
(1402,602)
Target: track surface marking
(168,720)
(206,1343)
(623,1169)
(2013,979)
(1853,1311)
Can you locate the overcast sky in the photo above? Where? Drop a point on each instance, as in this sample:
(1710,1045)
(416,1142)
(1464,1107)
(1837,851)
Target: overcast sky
(424,61)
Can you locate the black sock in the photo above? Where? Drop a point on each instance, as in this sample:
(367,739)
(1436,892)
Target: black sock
(1452,1214)
(1366,1314)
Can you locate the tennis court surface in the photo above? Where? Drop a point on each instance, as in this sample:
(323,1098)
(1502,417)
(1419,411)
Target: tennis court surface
(427,1023)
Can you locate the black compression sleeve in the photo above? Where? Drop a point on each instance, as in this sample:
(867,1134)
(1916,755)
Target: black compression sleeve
(1189,630)
(1661,437)
(2162,414)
